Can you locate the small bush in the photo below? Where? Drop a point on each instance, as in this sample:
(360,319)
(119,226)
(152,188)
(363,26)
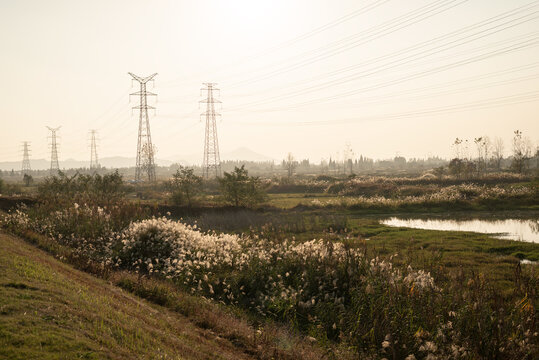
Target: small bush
(185,186)
(240,189)
(106,190)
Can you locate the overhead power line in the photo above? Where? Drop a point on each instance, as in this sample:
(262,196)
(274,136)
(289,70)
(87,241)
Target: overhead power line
(361,11)
(526,97)
(358,39)
(507,49)
(395,61)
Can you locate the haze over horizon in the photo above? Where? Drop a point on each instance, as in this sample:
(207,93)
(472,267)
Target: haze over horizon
(306,77)
(243,154)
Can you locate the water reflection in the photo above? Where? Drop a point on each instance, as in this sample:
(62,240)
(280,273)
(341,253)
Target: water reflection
(511,229)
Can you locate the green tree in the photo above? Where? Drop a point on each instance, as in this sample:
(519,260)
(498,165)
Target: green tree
(27,180)
(240,189)
(185,186)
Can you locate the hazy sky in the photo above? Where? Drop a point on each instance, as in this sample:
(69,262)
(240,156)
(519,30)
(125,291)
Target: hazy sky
(303,76)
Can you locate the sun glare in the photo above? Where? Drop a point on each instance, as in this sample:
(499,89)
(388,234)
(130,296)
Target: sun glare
(254,19)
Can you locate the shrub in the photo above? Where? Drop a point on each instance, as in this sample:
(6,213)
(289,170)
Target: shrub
(98,190)
(185,186)
(174,249)
(240,189)
(27,180)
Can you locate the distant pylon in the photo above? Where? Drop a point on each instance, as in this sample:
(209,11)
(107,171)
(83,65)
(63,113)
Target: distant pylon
(211,164)
(145,149)
(94,163)
(26,158)
(54,151)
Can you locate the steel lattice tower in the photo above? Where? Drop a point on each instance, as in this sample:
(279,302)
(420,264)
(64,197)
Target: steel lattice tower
(26,157)
(54,151)
(145,150)
(94,163)
(211,163)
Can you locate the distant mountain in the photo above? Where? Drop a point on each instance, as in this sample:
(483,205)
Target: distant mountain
(73,164)
(246,154)
(108,162)
(185,159)
(239,154)
(38,164)
(117,162)
(120,162)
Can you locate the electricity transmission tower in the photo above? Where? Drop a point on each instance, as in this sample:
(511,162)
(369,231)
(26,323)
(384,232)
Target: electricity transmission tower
(145,150)
(54,150)
(211,164)
(94,163)
(26,157)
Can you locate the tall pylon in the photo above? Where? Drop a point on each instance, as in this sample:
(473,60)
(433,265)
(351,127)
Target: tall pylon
(54,150)
(94,163)
(26,158)
(145,149)
(211,164)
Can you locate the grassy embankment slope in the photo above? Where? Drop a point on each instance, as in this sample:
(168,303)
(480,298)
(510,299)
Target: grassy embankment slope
(49,310)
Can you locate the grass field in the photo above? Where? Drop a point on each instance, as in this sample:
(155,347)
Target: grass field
(432,250)
(288,201)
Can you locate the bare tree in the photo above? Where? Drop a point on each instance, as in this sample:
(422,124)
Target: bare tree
(348,155)
(521,152)
(483,146)
(457,148)
(479,146)
(290,165)
(148,155)
(497,152)
(466,150)
(487,147)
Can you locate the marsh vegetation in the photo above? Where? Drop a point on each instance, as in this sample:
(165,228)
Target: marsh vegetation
(314,261)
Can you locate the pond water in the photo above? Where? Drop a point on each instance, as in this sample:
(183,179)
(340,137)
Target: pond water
(510,229)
